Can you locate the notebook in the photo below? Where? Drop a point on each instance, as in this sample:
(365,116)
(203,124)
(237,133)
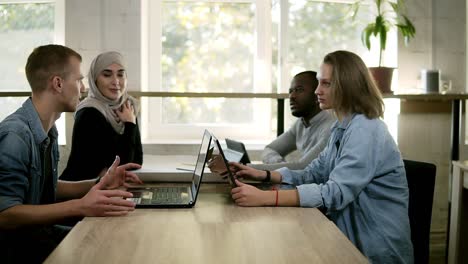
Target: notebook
(173,195)
(238,147)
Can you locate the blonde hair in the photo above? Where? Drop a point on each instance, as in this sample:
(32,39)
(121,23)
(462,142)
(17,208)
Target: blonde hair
(47,61)
(353,88)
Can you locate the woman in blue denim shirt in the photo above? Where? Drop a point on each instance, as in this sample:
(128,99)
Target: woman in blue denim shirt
(359,179)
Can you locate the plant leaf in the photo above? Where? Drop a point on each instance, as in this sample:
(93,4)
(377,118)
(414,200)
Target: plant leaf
(409,26)
(379,23)
(395,7)
(354,9)
(407,30)
(378,3)
(385,20)
(383,36)
(366,34)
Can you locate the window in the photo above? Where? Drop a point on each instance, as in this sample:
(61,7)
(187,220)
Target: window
(315,28)
(206,46)
(237,46)
(23,26)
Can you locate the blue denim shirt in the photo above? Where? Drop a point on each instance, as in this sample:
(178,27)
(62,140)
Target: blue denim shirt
(22,140)
(359,180)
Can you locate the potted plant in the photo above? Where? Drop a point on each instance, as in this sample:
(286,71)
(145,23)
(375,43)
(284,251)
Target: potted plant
(390,13)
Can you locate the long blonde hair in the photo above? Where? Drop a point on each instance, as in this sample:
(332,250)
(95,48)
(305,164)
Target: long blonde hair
(354,89)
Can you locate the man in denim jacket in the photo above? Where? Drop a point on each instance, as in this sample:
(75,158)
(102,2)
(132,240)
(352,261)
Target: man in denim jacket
(29,187)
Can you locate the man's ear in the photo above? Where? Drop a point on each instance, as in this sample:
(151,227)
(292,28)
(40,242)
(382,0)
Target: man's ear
(57,83)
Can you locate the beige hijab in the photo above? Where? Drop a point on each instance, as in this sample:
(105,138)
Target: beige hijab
(96,100)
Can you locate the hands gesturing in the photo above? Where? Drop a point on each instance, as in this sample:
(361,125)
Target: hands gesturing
(246,172)
(104,199)
(217,165)
(117,176)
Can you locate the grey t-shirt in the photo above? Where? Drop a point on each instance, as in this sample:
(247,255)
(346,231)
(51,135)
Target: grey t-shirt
(309,139)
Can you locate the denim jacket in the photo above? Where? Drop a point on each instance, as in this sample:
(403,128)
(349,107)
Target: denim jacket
(360,182)
(23,143)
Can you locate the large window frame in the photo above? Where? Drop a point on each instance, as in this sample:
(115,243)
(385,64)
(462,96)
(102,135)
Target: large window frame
(262,128)
(151,58)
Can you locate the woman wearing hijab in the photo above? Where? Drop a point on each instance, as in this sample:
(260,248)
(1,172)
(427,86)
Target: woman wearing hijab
(105,122)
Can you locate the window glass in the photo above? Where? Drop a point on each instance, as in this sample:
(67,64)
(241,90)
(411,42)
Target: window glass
(207,47)
(233,46)
(22,28)
(317,28)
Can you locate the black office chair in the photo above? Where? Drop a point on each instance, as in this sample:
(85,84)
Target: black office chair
(421,182)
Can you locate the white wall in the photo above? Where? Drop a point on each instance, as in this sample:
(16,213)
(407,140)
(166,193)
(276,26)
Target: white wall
(439,42)
(93,27)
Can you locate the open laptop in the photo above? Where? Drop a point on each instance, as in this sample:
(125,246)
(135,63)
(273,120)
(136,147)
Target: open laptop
(240,148)
(231,177)
(173,195)
(225,161)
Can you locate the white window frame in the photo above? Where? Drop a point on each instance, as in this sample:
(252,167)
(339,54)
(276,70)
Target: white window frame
(150,59)
(151,37)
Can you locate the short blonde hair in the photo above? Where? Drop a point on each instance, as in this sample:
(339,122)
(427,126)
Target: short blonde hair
(47,61)
(353,88)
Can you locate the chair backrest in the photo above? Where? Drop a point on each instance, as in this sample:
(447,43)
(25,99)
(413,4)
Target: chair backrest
(421,182)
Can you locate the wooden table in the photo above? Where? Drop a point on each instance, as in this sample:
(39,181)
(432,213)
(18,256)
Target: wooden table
(214,231)
(458,237)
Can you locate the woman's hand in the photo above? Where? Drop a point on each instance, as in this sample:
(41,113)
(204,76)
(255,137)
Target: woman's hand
(216,165)
(126,113)
(248,195)
(246,172)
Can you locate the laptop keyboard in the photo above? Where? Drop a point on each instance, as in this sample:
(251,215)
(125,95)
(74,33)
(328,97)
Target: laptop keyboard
(168,195)
(160,195)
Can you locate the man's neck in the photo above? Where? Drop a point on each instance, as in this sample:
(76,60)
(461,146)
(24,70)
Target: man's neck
(306,118)
(45,109)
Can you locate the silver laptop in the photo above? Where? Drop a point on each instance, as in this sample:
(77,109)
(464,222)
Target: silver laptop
(173,195)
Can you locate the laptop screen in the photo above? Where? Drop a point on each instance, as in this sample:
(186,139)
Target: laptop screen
(203,156)
(225,164)
(239,147)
